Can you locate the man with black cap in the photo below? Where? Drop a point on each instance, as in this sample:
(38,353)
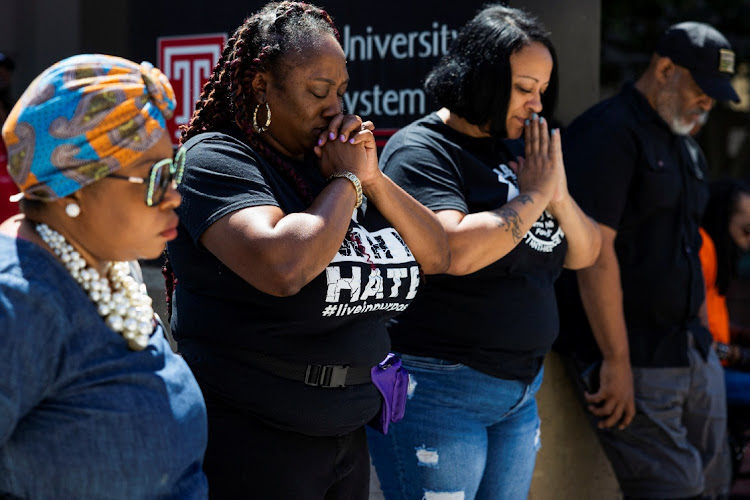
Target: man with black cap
(630,324)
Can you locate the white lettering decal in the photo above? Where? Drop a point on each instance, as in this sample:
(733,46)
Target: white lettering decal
(336,283)
(388,103)
(397,45)
(414,272)
(374,287)
(376,247)
(396,275)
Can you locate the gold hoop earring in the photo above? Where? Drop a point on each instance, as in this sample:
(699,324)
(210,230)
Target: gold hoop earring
(256,127)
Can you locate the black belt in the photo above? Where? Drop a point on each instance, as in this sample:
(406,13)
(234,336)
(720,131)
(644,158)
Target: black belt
(326,376)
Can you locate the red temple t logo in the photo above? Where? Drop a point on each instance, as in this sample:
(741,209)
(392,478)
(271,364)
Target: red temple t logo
(188,62)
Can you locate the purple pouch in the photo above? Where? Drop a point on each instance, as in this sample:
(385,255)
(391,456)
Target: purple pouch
(392,380)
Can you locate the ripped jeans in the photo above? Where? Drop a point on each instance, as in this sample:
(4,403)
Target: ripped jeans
(465,435)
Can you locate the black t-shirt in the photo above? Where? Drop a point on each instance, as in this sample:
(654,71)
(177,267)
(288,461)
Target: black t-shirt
(629,171)
(501,319)
(338,318)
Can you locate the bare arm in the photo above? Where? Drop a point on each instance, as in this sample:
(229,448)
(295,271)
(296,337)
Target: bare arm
(280,253)
(581,231)
(417,225)
(477,240)
(601,294)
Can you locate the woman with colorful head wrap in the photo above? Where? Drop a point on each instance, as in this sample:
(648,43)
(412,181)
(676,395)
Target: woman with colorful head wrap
(93,403)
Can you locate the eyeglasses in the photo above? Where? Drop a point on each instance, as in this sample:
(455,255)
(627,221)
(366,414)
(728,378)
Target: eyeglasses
(163,174)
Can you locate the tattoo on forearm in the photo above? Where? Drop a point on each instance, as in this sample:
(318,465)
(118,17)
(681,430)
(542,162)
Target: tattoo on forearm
(525,199)
(509,218)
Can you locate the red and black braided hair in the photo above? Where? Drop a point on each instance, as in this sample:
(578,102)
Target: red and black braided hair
(274,34)
(277,31)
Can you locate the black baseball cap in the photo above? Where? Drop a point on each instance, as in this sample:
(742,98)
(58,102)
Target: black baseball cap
(706,53)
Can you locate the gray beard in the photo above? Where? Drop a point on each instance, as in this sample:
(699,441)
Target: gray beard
(681,127)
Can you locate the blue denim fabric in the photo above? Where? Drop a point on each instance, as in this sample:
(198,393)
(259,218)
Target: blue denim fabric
(81,415)
(465,435)
(738,387)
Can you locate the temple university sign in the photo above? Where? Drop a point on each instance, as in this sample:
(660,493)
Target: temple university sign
(188,62)
(389,52)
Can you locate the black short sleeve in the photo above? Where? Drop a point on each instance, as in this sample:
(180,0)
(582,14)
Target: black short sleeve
(339,317)
(500,319)
(222,176)
(428,176)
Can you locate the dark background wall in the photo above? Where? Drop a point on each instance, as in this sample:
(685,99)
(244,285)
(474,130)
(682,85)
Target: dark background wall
(390,45)
(600,43)
(39,32)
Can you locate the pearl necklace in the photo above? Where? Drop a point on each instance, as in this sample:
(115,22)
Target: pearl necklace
(125,306)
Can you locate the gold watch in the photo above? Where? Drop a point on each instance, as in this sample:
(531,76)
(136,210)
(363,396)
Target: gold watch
(355,182)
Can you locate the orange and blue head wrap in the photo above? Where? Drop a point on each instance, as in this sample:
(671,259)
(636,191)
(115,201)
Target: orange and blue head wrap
(82,119)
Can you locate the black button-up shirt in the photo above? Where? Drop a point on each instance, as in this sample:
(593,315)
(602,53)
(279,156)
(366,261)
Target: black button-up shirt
(629,171)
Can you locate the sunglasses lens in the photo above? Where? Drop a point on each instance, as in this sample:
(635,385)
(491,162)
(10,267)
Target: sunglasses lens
(163,180)
(159,176)
(178,166)
(163,174)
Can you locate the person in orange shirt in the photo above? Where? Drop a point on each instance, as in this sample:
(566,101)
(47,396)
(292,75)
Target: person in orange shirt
(726,235)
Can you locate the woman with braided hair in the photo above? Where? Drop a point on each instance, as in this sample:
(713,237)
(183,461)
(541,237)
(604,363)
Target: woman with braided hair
(93,402)
(282,281)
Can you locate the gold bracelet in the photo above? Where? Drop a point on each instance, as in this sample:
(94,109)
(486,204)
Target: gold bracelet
(355,182)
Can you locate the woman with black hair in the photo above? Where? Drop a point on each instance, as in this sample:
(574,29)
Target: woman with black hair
(284,282)
(726,235)
(475,338)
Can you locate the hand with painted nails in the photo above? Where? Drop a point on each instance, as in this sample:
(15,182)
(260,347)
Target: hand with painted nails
(540,169)
(355,153)
(343,128)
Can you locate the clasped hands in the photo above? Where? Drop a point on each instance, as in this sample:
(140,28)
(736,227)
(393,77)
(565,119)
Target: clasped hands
(349,145)
(542,170)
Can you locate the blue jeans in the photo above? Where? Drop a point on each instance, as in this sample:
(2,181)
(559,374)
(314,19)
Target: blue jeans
(738,387)
(465,435)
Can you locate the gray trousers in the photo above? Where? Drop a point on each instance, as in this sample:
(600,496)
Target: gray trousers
(677,444)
